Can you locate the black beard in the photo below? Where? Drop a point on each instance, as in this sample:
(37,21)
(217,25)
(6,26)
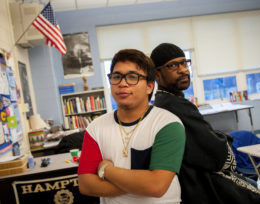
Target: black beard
(175,87)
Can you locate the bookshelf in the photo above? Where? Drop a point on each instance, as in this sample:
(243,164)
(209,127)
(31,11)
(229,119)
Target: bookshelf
(80,108)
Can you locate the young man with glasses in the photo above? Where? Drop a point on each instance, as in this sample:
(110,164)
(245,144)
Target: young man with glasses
(132,155)
(206,174)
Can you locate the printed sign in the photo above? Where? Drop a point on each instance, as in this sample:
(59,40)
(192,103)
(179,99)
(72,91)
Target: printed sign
(58,190)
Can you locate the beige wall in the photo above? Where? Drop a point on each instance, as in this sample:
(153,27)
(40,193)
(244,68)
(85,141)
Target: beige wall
(17,54)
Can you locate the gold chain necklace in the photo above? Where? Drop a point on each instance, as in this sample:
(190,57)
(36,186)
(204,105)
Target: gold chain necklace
(162,91)
(129,134)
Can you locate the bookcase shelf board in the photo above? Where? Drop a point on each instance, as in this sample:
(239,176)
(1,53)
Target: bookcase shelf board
(89,112)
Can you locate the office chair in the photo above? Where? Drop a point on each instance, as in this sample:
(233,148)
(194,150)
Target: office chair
(244,138)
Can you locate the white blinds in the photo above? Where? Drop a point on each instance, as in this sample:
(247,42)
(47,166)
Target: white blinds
(223,43)
(111,39)
(143,36)
(216,47)
(249,38)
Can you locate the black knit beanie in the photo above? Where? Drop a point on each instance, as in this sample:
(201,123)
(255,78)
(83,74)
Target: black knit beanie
(165,52)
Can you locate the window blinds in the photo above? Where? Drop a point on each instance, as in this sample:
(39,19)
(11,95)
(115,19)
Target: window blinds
(223,43)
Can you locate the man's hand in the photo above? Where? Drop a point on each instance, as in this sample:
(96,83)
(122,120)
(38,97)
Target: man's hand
(91,184)
(102,163)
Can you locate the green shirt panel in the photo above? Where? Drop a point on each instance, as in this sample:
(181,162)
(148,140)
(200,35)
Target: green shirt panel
(168,148)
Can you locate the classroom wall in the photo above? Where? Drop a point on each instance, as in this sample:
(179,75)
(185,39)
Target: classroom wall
(17,54)
(87,20)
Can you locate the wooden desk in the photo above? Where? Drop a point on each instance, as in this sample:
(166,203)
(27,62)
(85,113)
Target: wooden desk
(252,150)
(63,174)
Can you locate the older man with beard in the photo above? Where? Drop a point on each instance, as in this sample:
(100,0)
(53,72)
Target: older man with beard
(206,174)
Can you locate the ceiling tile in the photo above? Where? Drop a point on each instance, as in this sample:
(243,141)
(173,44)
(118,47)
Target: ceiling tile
(120,2)
(147,1)
(152,1)
(85,4)
(61,5)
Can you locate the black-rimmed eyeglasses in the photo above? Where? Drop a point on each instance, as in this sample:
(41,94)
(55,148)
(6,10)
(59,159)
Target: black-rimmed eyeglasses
(131,78)
(173,66)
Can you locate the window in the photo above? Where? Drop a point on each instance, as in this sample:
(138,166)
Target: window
(219,88)
(188,56)
(253,83)
(107,64)
(189,93)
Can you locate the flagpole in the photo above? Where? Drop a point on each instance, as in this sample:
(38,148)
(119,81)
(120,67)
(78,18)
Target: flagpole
(27,28)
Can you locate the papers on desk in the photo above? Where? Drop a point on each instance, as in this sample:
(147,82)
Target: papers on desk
(50,144)
(222,107)
(11,158)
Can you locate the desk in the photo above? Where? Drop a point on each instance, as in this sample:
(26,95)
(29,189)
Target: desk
(57,162)
(63,174)
(252,150)
(227,107)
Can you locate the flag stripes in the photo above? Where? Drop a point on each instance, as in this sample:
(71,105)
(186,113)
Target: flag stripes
(51,32)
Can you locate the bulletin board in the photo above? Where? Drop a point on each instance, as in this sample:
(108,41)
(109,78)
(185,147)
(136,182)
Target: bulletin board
(10,124)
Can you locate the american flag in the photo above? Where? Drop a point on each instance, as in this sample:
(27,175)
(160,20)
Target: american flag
(47,25)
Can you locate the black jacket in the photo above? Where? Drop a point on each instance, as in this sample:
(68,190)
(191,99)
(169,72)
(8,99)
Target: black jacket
(205,154)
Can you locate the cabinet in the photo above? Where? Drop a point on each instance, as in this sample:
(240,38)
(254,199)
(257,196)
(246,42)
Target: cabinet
(80,108)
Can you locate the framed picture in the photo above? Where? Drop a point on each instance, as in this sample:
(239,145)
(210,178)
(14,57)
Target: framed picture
(77,62)
(25,87)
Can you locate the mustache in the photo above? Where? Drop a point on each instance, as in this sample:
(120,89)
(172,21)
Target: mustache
(183,76)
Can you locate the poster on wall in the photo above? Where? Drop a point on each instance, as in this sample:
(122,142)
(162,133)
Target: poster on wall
(25,87)
(77,62)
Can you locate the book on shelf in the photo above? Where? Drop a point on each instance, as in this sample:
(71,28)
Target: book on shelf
(68,107)
(238,96)
(88,106)
(77,105)
(82,106)
(92,103)
(71,106)
(79,122)
(80,109)
(66,85)
(66,88)
(66,123)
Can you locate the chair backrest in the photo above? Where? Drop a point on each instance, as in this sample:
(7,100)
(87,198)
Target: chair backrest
(243,138)
(73,141)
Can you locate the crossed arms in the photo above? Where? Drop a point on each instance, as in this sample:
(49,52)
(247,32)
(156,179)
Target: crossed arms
(118,181)
(165,161)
